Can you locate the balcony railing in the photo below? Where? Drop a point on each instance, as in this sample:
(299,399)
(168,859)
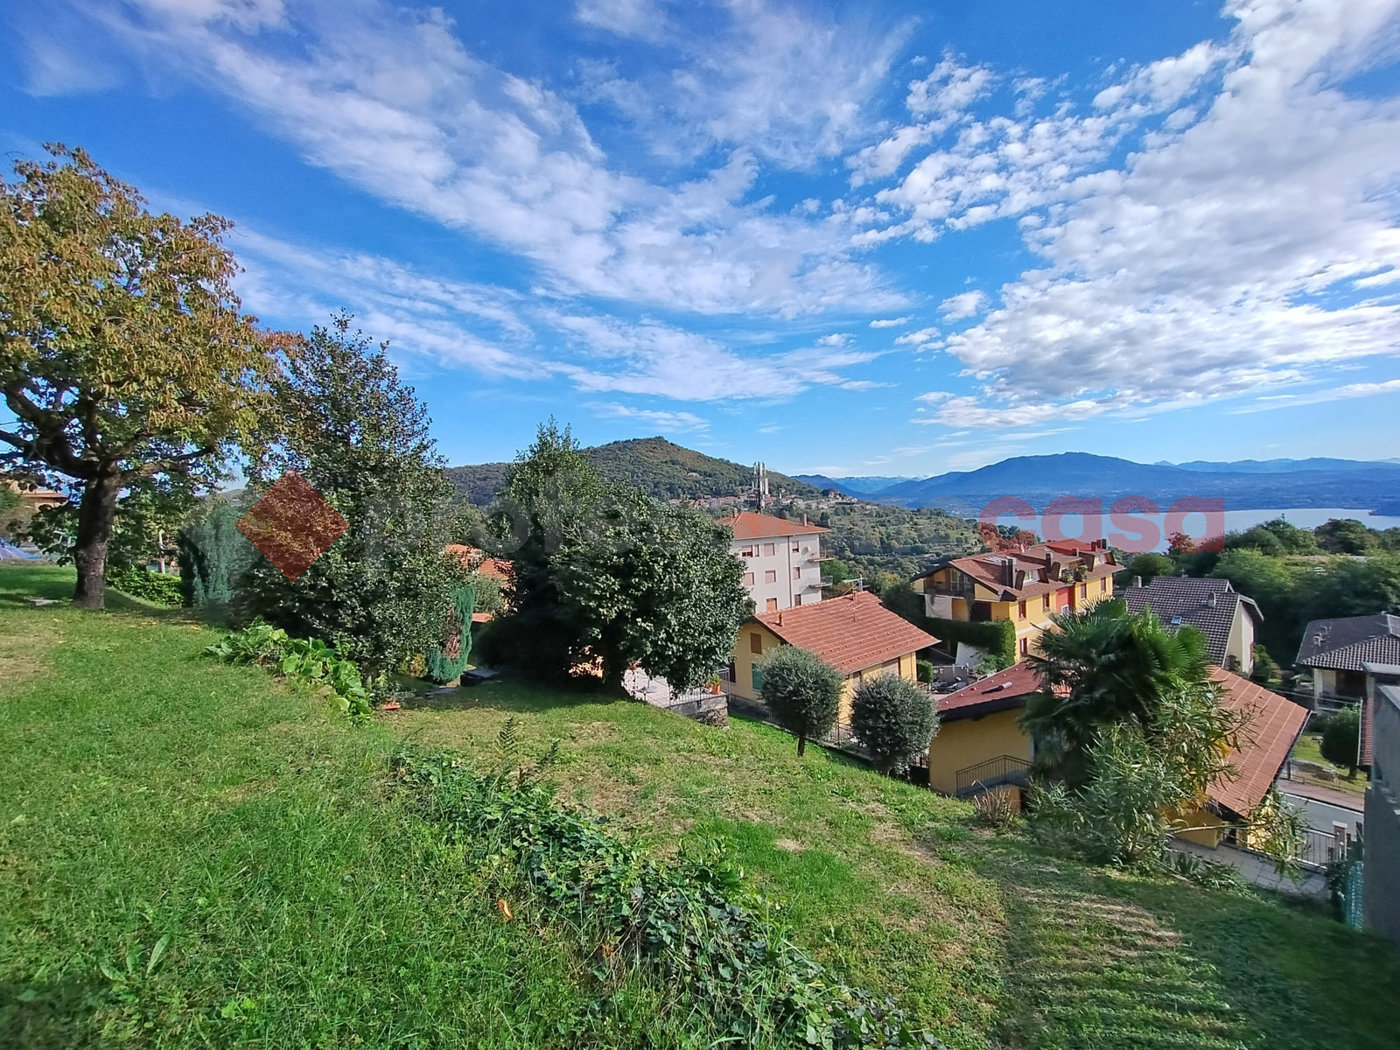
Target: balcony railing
(1004,769)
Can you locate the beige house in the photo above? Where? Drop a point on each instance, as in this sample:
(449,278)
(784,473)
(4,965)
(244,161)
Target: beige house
(781,559)
(854,633)
(1227,618)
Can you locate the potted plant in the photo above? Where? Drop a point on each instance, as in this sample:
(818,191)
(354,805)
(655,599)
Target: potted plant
(713,684)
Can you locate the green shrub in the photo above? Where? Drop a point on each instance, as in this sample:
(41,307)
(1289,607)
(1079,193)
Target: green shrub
(1266,668)
(447,661)
(1341,738)
(158,587)
(997,638)
(308,659)
(927,671)
(803,691)
(685,921)
(893,719)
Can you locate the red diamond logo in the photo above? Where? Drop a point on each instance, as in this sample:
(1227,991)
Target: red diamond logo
(292,524)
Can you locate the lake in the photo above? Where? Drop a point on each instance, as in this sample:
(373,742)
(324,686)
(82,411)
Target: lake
(1149,532)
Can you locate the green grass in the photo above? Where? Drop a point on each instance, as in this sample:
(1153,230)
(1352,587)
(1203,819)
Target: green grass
(1309,749)
(146,792)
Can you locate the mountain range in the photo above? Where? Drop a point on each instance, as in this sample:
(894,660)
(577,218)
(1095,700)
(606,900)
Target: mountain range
(1244,485)
(656,466)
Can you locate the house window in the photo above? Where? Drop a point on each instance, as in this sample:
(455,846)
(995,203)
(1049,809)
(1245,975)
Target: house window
(797,599)
(1025,646)
(771,605)
(1046,602)
(769,549)
(1083,590)
(746,552)
(1103,585)
(757,679)
(748,579)
(796,547)
(796,573)
(770,576)
(1021,610)
(756,642)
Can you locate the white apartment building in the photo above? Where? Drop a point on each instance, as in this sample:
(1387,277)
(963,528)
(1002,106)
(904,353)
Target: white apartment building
(782,559)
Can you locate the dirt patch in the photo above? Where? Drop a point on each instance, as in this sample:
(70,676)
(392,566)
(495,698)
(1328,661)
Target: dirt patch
(24,648)
(789,845)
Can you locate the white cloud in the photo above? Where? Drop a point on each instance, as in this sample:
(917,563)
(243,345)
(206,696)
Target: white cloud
(963,305)
(1223,257)
(924,337)
(895,322)
(651,358)
(672,422)
(1317,397)
(392,102)
(642,19)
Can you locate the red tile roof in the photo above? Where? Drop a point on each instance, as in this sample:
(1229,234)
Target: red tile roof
(851,633)
(750,525)
(475,559)
(997,692)
(1273,728)
(1000,571)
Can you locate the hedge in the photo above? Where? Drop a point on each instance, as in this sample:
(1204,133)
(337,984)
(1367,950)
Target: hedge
(995,637)
(161,588)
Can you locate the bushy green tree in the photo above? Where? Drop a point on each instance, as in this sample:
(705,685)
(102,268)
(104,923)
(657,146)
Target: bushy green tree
(1344,536)
(1341,739)
(360,437)
(606,574)
(125,356)
(893,719)
(901,599)
(1266,668)
(803,691)
(1147,566)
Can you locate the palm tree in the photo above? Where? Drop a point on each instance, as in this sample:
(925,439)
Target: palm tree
(1103,666)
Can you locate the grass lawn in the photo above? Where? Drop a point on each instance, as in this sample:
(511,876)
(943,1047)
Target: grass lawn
(147,792)
(1309,749)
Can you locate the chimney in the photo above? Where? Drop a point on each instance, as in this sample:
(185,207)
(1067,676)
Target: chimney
(804,519)
(1137,581)
(1213,599)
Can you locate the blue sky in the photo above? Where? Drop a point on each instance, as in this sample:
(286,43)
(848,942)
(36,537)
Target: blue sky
(860,239)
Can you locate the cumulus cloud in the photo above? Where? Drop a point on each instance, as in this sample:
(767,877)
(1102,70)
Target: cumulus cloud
(963,305)
(1227,254)
(391,100)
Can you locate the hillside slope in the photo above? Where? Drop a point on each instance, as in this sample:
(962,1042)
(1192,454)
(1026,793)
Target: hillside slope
(146,793)
(1040,479)
(656,466)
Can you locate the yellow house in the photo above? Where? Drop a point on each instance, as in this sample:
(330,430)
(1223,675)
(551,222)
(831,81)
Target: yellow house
(854,633)
(980,745)
(1023,586)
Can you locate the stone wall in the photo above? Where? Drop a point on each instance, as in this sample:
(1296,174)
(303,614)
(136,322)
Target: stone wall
(710,710)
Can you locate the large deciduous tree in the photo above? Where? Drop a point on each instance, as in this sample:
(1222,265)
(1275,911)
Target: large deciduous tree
(606,574)
(383,590)
(124,353)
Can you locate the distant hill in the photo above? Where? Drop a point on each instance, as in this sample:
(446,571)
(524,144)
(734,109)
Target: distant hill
(1281,466)
(858,486)
(1040,479)
(655,465)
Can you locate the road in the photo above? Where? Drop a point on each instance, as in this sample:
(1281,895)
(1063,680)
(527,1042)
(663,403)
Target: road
(1322,815)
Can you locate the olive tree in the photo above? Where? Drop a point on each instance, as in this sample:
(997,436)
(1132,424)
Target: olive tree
(124,353)
(803,691)
(893,719)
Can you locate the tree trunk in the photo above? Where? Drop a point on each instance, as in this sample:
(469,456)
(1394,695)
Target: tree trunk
(801,746)
(96,515)
(614,667)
